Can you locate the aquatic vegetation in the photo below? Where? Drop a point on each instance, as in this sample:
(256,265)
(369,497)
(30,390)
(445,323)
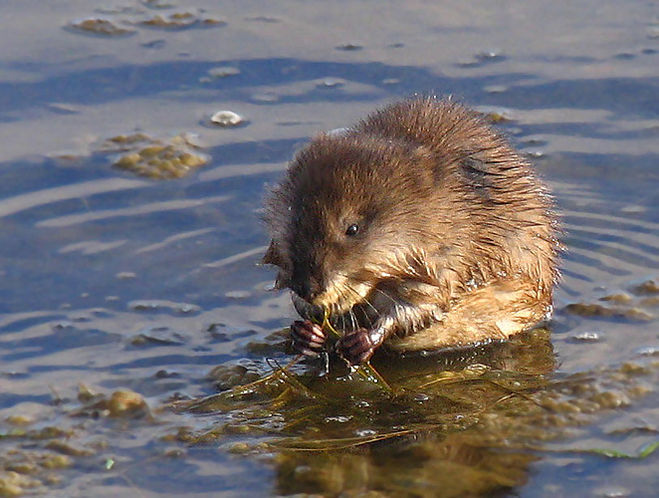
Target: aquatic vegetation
(635,305)
(643,452)
(39,454)
(111,25)
(155,158)
(179,20)
(470,423)
(580,420)
(99,26)
(158,4)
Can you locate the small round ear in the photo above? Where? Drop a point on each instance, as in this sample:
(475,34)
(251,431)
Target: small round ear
(272,255)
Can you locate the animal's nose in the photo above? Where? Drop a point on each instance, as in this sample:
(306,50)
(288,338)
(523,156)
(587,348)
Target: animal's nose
(306,286)
(302,289)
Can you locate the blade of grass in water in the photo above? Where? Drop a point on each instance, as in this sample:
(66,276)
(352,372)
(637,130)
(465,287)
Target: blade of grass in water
(645,451)
(215,401)
(366,370)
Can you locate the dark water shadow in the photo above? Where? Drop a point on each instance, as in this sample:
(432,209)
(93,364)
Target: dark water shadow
(634,96)
(426,431)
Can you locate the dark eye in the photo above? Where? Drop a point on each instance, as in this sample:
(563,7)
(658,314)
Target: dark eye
(352,230)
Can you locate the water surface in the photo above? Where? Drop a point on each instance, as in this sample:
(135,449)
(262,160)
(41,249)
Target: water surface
(120,282)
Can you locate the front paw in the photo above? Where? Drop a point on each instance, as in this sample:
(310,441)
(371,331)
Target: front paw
(308,338)
(357,347)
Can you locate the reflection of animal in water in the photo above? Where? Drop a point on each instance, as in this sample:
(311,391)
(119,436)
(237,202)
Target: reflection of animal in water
(450,429)
(418,228)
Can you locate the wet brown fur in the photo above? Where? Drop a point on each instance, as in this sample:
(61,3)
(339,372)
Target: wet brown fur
(457,237)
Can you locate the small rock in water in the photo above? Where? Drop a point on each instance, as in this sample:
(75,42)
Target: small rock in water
(349,47)
(647,287)
(653,32)
(612,399)
(495,88)
(620,298)
(648,351)
(489,55)
(158,4)
(589,336)
(267,97)
(263,19)
(154,44)
(226,119)
(535,153)
(63,108)
(632,209)
(612,492)
(338,418)
(237,294)
(186,308)
(485,57)
(223,71)
(240,448)
(229,376)
(330,82)
(126,403)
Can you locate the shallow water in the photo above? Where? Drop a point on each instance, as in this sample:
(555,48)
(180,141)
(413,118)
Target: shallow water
(120,282)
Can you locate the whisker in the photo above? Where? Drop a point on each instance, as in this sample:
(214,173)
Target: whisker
(353,319)
(362,299)
(397,304)
(343,321)
(350,313)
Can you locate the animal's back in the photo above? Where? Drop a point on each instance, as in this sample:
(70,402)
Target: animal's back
(420,227)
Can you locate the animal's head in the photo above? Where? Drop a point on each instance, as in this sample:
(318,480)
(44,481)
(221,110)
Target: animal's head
(346,217)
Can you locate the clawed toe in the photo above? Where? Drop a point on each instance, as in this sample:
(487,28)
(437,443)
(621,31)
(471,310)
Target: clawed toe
(356,347)
(308,338)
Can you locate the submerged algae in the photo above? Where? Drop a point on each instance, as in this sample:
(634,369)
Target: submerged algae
(34,455)
(468,423)
(134,15)
(155,158)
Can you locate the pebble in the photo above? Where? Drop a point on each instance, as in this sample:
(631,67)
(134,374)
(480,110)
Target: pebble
(330,83)
(223,71)
(590,336)
(648,351)
(349,47)
(226,119)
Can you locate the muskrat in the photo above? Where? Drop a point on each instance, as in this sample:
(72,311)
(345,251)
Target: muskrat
(418,228)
